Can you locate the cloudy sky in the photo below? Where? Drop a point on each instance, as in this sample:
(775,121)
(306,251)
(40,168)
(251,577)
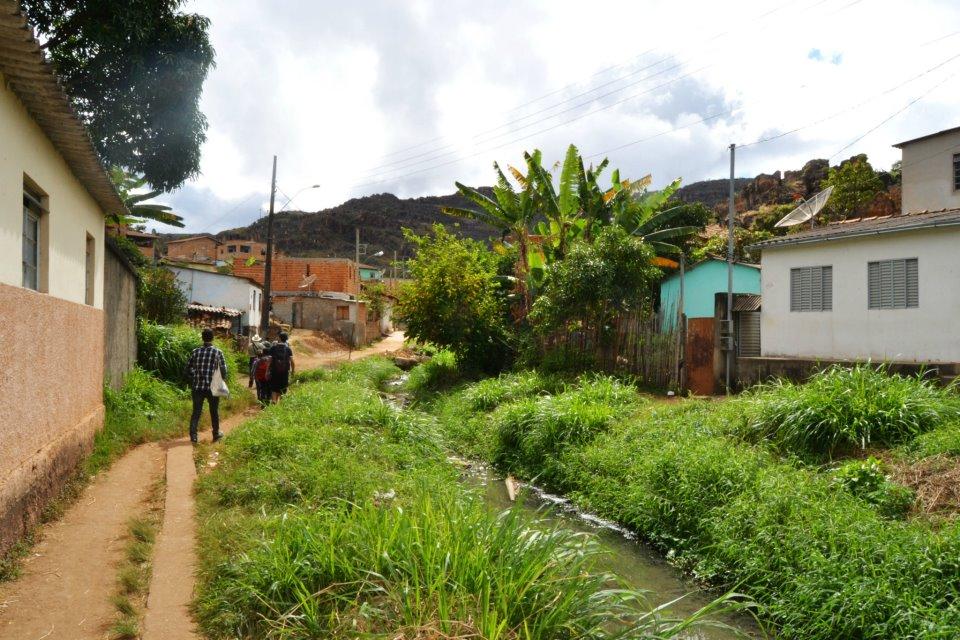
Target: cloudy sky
(408,96)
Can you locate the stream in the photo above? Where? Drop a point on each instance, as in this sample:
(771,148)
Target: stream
(638,564)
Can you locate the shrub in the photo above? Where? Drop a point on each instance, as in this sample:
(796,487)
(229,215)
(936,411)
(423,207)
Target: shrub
(436,373)
(866,480)
(159,299)
(453,300)
(846,408)
(490,393)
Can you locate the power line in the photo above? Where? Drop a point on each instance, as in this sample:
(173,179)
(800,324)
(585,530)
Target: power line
(228,212)
(893,115)
(853,107)
(452,145)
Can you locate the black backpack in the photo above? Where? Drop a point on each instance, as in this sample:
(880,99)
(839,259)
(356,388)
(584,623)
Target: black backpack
(280,360)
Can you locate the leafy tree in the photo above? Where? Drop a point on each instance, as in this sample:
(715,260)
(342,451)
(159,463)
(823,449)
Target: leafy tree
(159,299)
(135,71)
(596,282)
(855,185)
(140,210)
(453,299)
(131,252)
(375,295)
(742,238)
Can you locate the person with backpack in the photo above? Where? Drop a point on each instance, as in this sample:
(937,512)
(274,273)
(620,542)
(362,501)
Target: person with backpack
(260,374)
(204,361)
(281,366)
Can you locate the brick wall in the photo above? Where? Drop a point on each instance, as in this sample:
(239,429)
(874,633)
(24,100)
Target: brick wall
(332,274)
(193,249)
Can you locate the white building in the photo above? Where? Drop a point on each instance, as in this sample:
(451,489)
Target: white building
(931,171)
(222,290)
(54,195)
(883,289)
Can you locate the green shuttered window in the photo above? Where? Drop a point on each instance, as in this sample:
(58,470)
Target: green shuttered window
(893,284)
(811,288)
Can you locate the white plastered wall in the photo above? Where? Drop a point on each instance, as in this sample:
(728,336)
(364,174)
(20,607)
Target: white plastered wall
(928,174)
(929,333)
(25,150)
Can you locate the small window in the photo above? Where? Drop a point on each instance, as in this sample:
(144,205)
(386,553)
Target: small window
(956,172)
(91,270)
(32,211)
(244,248)
(811,289)
(893,284)
(343,312)
(231,249)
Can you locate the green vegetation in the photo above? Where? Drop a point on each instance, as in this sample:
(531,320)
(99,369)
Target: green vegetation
(452,301)
(133,577)
(844,409)
(825,552)
(164,350)
(159,299)
(334,514)
(855,185)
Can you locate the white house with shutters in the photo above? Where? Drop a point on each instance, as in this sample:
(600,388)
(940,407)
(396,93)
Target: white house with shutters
(880,289)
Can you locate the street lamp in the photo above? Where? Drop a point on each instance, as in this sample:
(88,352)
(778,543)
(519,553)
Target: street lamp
(268,265)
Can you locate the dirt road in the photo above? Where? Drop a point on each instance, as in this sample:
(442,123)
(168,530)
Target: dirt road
(305,358)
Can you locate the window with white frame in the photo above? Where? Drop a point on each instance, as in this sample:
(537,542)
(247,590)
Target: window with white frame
(32,213)
(893,284)
(811,288)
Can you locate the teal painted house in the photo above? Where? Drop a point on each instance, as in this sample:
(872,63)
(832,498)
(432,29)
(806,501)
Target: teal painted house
(702,282)
(370,273)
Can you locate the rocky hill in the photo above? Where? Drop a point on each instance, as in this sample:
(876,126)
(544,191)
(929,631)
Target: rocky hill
(381,217)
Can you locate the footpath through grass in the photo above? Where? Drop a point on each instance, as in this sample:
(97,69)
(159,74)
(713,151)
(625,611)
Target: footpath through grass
(743,493)
(337,515)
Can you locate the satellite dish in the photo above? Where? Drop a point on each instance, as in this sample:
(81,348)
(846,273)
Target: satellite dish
(308,280)
(807,210)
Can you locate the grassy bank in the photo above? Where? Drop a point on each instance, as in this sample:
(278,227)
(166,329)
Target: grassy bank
(747,492)
(334,514)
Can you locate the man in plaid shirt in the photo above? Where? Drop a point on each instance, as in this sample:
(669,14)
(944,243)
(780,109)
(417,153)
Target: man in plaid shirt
(203,362)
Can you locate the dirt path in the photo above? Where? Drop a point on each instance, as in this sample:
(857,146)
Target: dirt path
(70,576)
(306,361)
(174,557)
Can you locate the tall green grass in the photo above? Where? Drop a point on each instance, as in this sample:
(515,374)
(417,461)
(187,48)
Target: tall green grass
(164,350)
(439,372)
(334,515)
(825,554)
(847,408)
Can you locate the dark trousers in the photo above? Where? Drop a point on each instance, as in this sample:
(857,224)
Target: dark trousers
(198,398)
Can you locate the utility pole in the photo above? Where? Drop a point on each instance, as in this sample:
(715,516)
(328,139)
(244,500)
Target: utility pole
(356,299)
(268,265)
(731,221)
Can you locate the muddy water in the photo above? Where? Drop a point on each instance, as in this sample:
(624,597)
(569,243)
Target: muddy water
(640,566)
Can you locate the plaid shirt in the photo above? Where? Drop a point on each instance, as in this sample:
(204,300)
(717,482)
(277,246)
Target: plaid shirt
(203,361)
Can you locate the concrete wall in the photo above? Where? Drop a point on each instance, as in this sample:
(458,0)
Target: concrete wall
(221,290)
(751,371)
(851,331)
(120,317)
(51,381)
(701,283)
(25,152)
(321,314)
(928,174)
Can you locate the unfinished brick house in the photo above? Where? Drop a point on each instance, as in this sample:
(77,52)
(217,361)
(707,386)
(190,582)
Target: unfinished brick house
(202,248)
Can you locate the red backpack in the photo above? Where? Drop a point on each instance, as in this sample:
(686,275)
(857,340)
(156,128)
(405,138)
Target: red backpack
(262,371)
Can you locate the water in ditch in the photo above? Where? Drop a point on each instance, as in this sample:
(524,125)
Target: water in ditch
(640,566)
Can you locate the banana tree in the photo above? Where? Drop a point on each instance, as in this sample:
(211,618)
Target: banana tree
(139,209)
(512,211)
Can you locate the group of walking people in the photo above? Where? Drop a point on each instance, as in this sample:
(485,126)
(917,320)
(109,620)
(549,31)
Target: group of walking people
(271,365)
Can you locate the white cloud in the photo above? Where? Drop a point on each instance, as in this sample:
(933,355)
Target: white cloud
(386,96)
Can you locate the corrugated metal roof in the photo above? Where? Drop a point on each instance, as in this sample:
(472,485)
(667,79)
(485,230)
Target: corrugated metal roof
(746,302)
(868,226)
(220,311)
(33,80)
